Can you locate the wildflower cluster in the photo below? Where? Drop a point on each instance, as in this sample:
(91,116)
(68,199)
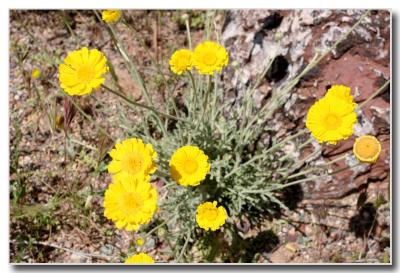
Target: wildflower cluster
(208,57)
(332,118)
(208,155)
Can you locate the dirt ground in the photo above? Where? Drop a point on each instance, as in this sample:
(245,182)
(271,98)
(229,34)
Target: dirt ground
(56,192)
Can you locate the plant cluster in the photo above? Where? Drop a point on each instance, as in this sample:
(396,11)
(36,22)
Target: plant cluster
(192,170)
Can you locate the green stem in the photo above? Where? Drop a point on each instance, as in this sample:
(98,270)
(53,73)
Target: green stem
(376,93)
(98,127)
(277,145)
(184,247)
(157,227)
(132,68)
(260,156)
(193,99)
(143,105)
(141,39)
(208,91)
(318,167)
(312,178)
(188,33)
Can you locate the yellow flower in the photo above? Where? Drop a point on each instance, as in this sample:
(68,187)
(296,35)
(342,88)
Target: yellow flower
(82,71)
(35,73)
(111,15)
(331,119)
(140,241)
(367,149)
(209,57)
(130,203)
(181,61)
(141,258)
(132,159)
(209,216)
(342,92)
(189,166)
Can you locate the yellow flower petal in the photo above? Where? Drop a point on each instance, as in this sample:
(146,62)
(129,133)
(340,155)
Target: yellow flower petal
(111,15)
(141,258)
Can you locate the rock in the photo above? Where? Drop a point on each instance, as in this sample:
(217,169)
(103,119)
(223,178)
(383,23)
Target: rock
(76,258)
(107,250)
(283,254)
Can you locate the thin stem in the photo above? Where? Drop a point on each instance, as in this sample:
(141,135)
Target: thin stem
(205,104)
(157,227)
(193,99)
(248,97)
(309,140)
(376,93)
(140,37)
(277,145)
(142,105)
(318,167)
(98,126)
(83,144)
(335,160)
(184,247)
(188,32)
(132,68)
(214,106)
(312,178)
(87,255)
(299,164)
(256,157)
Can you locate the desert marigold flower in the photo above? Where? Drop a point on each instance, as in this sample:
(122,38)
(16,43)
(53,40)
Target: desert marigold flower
(189,166)
(141,258)
(209,216)
(35,73)
(132,159)
(342,92)
(130,203)
(209,57)
(181,61)
(367,149)
(82,71)
(331,119)
(110,15)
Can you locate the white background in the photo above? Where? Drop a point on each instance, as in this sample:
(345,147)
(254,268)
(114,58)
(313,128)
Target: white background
(183,4)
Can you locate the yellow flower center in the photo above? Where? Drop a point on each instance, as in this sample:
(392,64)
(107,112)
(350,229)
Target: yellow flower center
(85,73)
(131,202)
(332,121)
(190,166)
(212,214)
(210,58)
(183,62)
(132,163)
(367,147)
